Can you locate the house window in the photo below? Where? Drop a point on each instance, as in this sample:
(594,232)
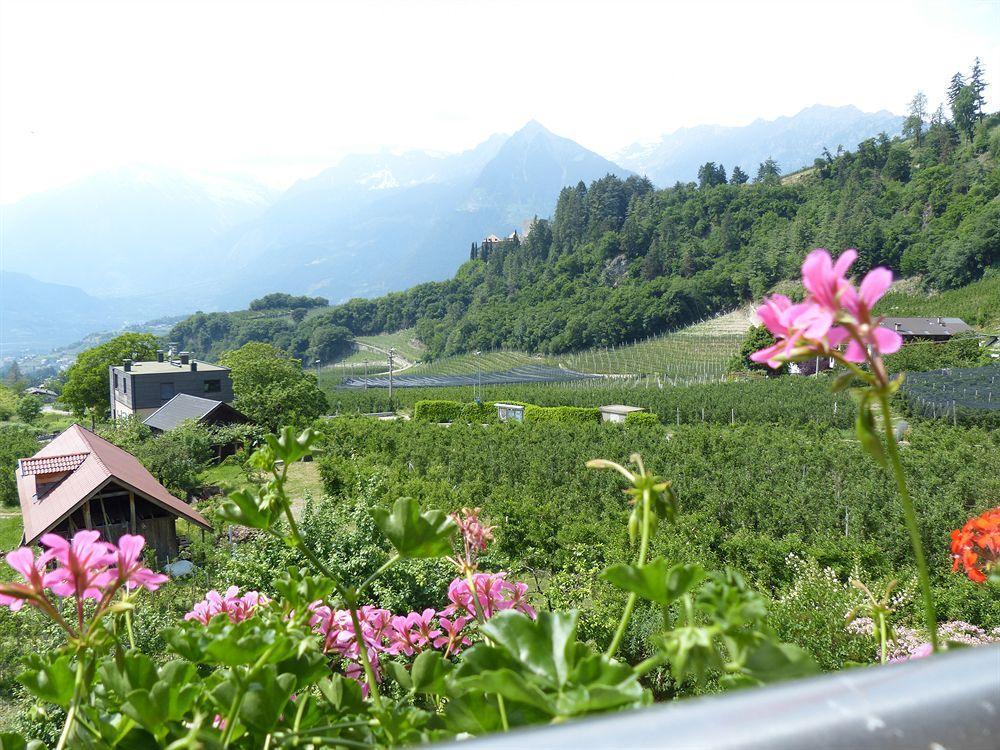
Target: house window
(116,381)
(166,391)
(124,385)
(213,386)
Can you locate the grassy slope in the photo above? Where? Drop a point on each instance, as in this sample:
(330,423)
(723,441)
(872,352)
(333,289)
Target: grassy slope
(700,350)
(10,529)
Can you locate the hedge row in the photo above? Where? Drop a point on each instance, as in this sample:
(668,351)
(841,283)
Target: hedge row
(562,414)
(486,413)
(437,411)
(642,419)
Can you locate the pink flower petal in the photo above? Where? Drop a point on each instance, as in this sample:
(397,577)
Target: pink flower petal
(874,285)
(886,341)
(854,352)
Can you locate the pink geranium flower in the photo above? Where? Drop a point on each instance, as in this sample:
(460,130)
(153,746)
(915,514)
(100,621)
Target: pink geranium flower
(131,572)
(84,562)
(833,312)
(825,280)
(451,638)
(236,608)
(14,595)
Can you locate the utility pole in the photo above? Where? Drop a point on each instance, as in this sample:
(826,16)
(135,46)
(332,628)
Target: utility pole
(478,396)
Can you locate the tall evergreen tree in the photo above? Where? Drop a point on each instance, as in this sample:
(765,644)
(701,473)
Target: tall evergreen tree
(768,173)
(955,86)
(963,111)
(739,177)
(978,85)
(913,127)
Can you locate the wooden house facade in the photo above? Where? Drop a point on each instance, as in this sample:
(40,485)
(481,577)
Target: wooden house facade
(81,481)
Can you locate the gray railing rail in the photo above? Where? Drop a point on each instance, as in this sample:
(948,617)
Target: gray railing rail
(946,702)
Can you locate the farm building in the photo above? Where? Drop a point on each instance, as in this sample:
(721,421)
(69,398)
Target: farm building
(140,388)
(81,481)
(927,329)
(510,412)
(184,407)
(45,394)
(617,412)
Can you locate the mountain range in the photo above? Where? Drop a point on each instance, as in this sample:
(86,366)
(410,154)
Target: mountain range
(145,242)
(794,142)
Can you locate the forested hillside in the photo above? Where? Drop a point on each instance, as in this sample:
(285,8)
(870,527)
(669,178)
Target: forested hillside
(620,260)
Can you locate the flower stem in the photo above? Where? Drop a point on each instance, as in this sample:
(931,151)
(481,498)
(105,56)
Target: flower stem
(74,703)
(930,619)
(882,637)
(385,566)
(352,605)
(630,603)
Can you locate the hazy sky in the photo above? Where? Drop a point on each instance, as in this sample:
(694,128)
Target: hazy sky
(281,89)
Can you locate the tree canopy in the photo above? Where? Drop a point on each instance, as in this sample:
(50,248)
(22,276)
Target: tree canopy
(272,389)
(87,380)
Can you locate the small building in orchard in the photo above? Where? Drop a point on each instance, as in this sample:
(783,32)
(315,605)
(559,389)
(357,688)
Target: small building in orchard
(927,329)
(81,481)
(510,412)
(617,412)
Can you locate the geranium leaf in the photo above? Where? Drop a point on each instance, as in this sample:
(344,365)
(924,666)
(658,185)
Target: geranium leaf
(655,581)
(414,533)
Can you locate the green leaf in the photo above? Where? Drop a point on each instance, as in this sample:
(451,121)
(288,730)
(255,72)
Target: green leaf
(429,672)
(413,533)
(168,700)
(247,508)
(512,686)
(343,695)
(691,652)
(49,678)
(864,426)
(655,581)
(400,674)
(472,714)
(289,447)
(266,698)
(544,646)
(771,661)
(126,672)
(12,741)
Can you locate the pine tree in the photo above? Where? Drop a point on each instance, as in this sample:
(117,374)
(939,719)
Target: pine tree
(739,177)
(954,89)
(720,175)
(963,111)
(978,86)
(768,173)
(913,127)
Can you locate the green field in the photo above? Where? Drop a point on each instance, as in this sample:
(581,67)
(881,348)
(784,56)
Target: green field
(698,352)
(404,341)
(10,529)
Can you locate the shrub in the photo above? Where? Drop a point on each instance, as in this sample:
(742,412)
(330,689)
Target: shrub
(437,411)
(479,412)
(642,419)
(561,414)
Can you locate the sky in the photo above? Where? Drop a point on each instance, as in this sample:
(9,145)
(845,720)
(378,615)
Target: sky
(279,90)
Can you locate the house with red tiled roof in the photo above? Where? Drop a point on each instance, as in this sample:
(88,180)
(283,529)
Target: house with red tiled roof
(81,481)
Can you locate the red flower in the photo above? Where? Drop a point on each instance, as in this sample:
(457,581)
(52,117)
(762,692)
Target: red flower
(976,546)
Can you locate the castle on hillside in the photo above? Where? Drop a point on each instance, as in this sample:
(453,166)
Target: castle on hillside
(491,242)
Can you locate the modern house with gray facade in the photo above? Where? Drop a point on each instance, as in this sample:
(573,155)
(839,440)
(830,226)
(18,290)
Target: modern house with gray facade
(140,388)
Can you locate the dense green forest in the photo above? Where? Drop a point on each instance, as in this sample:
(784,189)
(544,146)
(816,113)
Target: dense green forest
(621,260)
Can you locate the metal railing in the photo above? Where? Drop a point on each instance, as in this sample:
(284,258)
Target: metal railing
(946,702)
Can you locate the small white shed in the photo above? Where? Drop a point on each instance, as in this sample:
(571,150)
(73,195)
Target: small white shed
(617,412)
(510,412)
